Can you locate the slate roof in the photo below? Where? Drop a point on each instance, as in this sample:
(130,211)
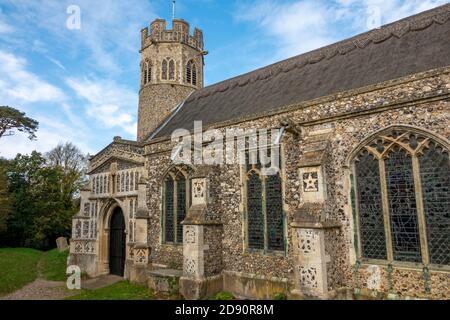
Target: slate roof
(415,44)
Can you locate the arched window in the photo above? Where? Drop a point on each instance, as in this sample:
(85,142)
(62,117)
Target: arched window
(264,207)
(164,70)
(191,73)
(168,69)
(171,70)
(403,198)
(176,203)
(147,72)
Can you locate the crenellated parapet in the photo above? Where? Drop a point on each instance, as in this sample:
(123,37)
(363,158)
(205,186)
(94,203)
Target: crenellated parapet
(180,33)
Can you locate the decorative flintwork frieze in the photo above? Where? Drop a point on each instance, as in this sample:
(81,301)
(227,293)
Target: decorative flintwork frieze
(198,191)
(78,229)
(78,247)
(189,235)
(308,277)
(85,229)
(308,241)
(87,207)
(190,266)
(311,182)
(141,256)
(198,188)
(82,247)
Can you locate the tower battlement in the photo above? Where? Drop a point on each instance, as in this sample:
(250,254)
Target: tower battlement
(179,34)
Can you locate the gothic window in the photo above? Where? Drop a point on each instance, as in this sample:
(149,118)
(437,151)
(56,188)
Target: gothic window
(264,206)
(403,198)
(168,209)
(171,70)
(175,205)
(164,70)
(435,178)
(148,77)
(132,181)
(191,73)
(136,180)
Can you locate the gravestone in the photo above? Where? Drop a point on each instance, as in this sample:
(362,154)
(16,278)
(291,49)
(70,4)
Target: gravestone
(62,244)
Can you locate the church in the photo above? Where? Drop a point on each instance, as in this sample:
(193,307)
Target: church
(359,206)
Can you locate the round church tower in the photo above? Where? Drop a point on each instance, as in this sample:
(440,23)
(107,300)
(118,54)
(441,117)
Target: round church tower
(171,69)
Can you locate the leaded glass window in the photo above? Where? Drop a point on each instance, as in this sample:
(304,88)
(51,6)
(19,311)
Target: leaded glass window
(255,216)
(168,210)
(264,206)
(403,198)
(274,213)
(164,67)
(435,177)
(176,204)
(171,70)
(181,207)
(371,225)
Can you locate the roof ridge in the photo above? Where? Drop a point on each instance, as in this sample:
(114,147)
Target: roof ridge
(399,28)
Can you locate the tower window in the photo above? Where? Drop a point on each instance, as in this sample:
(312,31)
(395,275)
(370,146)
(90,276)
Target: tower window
(147,72)
(164,70)
(171,70)
(168,69)
(191,73)
(403,192)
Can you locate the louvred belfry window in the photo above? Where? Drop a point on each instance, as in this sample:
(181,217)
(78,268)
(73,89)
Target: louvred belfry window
(264,206)
(176,201)
(403,198)
(191,73)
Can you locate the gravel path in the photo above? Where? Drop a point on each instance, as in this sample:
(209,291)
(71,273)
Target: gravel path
(41,289)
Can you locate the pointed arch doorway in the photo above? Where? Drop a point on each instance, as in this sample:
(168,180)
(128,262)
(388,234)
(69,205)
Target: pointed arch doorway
(117,243)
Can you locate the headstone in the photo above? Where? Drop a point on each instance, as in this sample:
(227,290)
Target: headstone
(62,244)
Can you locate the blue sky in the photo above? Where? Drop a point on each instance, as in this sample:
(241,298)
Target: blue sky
(82,85)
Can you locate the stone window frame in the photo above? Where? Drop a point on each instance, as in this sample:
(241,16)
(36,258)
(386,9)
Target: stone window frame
(146,72)
(365,144)
(191,73)
(244,211)
(168,69)
(174,172)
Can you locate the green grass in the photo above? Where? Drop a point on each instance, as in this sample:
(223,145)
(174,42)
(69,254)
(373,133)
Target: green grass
(119,291)
(18,266)
(223,296)
(54,264)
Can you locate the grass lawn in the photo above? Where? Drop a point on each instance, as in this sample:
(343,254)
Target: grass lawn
(119,291)
(18,266)
(54,264)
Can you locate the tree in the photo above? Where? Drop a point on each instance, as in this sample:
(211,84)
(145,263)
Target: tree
(12,119)
(72,163)
(5,199)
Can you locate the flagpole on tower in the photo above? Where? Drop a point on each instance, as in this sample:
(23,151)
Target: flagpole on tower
(174,5)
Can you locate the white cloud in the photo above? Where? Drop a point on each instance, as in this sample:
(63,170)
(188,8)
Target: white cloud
(51,132)
(108,103)
(5,28)
(19,85)
(109,29)
(301,26)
